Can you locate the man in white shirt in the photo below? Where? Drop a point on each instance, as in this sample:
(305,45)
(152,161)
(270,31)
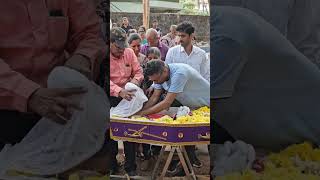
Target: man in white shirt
(187,53)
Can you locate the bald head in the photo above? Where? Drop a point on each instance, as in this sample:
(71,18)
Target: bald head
(151,33)
(152,37)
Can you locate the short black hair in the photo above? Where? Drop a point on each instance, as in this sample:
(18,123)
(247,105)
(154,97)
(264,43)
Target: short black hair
(185,27)
(133,37)
(155,66)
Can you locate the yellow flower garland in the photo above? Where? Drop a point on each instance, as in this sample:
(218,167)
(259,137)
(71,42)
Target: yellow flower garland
(293,163)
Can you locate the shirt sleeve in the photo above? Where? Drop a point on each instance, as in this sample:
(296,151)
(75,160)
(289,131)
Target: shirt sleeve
(85,36)
(169,57)
(114,89)
(205,67)
(157,86)
(178,82)
(15,89)
(137,72)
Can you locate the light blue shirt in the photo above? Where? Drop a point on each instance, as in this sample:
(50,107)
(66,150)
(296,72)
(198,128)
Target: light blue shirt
(191,88)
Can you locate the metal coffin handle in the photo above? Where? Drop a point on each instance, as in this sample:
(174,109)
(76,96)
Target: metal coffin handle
(204,137)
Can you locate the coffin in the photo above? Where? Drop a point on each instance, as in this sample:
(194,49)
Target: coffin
(153,132)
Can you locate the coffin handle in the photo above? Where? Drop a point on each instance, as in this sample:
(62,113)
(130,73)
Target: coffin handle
(204,137)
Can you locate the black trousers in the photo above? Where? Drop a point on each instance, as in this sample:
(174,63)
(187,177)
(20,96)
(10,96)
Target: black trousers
(220,135)
(129,147)
(15,126)
(148,150)
(155,150)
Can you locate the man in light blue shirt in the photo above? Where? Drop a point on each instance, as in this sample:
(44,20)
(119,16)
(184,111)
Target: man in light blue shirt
(182,82)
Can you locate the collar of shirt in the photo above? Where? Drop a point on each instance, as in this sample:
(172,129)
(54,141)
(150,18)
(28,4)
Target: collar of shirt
(194,50)
(121,57)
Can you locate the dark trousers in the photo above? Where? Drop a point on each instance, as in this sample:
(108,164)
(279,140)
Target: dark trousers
(129,147)
(15,126)
(148,150)
(129,150)
(220,135)
(155,150)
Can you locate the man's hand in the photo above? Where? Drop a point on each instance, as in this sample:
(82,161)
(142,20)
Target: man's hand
(149,91)
(55,104)
(140,113)
(81,64)
(128,95)
(136,82)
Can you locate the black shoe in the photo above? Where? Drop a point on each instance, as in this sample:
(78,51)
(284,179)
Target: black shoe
(179,172)
(173,167)
(140,156)
(197,163)
(132,173)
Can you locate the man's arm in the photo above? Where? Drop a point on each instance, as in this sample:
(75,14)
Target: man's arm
(114,89)
(165,104)
(84,37)
(169,58)
(205,67)
(15,89)
(178,82)
(153,99)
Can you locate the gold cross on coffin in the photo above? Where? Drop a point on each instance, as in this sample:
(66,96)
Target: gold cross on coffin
(139,133)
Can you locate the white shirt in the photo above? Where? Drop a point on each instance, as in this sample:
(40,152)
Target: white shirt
(197,59)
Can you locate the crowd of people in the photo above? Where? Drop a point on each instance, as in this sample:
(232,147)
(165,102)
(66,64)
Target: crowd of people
(170,69)
(31,47)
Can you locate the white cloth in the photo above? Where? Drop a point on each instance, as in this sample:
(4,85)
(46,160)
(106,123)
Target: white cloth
(183,111)
(196,59)
(50,148)
(231,157)
(128,108)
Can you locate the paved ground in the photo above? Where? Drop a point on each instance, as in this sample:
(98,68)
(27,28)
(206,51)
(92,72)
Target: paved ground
(202,172)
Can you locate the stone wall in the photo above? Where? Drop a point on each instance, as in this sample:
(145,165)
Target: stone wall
(201,23)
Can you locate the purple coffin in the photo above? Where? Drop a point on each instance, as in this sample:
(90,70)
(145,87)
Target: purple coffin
(159,133)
